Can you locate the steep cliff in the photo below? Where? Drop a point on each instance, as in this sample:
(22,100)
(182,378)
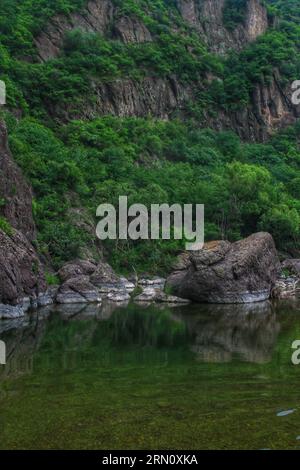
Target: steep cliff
(123,97)
(270,110)
(207,17)
(21,273)
(15,193)
(164,97)
(99,16)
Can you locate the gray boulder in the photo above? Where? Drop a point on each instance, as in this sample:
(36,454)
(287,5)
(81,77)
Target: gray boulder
(224,272)
(8,312)
(78,290)
(77,268)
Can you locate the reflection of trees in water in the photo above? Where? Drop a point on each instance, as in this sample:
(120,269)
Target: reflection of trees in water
(66,337)
(222,331)
(22,338)
(142,327)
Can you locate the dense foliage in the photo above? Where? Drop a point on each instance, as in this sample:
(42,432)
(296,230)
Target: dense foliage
(80,164)
(245,187)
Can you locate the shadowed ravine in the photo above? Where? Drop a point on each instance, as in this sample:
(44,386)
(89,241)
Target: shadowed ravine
(198,377)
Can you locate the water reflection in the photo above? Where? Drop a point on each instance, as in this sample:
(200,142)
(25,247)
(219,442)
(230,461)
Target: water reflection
(22,338)
(248,331)
(75,334)
(89,311)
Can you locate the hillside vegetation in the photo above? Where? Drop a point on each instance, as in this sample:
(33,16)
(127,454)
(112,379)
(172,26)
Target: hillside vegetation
(81,163)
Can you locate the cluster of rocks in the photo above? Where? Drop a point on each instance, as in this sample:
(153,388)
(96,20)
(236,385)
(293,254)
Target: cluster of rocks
(153,291)
(221,273)
(89,282)
(288,283)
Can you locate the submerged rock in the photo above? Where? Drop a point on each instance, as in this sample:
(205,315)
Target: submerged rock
(285,413)
(224,272)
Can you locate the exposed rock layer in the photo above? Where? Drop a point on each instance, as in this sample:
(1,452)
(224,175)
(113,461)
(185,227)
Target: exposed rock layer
(207,18)
(21,274)
(15,194)
(270,107)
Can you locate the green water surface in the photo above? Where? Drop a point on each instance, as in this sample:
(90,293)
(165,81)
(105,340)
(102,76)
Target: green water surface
(148,377)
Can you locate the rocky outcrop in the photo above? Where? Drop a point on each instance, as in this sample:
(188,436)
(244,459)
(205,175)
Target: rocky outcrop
(131,30)
(96,17)
(270,109)
(22,281)
(78,290)
(77,268)
(15,194)
(84,281)
(206,17)
(286,287)
(99,16)
(288,283)
(21,273)
(159,97)
(224,272)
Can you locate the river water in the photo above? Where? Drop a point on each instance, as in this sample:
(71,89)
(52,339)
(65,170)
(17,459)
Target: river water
(149,377)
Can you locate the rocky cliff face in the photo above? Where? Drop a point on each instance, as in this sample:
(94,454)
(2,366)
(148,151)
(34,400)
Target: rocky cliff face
(207,18)
(99,16)
(21,273)
(270,107)
(15,194)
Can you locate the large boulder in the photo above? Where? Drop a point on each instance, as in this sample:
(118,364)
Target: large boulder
(78,290)
(77,268)
(86,281)
(108,282)
(224,272)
